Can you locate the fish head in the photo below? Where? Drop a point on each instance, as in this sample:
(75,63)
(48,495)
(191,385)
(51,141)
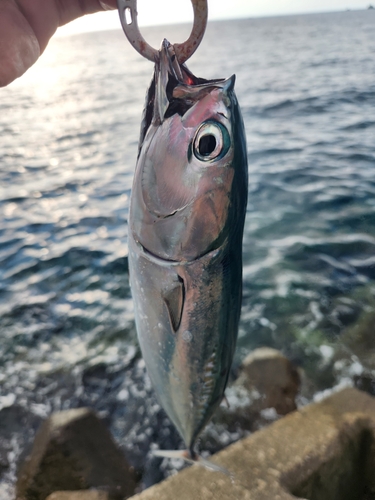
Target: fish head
(183,201)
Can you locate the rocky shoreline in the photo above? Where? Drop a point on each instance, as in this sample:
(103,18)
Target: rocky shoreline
(75,457)
(325,451)
(74,451)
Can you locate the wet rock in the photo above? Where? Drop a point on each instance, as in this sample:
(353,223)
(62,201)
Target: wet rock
(359,338)
(73,450)
(79,495)
(272,379)
(365,382)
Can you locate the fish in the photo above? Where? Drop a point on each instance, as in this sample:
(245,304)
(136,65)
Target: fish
(186,221)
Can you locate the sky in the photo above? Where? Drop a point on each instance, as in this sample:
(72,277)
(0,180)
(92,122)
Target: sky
(151,12)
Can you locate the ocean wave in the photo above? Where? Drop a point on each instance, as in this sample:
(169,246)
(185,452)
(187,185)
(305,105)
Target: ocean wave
(318,104)
(361,125)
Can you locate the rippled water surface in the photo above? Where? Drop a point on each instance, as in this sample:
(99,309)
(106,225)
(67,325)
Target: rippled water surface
(69,132)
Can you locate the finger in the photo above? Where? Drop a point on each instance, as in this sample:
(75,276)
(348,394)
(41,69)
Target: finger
(27,26)
(45,16)
(19,47)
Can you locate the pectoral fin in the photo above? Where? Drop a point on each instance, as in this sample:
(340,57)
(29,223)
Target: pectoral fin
(174,298)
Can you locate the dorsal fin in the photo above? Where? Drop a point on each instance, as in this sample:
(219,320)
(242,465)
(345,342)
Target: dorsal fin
(174,298)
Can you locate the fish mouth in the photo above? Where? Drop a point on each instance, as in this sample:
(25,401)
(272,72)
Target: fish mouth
(174,89)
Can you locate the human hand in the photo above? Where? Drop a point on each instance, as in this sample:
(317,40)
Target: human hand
(27,25)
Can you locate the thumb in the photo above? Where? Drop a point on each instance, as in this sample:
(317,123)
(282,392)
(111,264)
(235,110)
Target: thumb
(19,47)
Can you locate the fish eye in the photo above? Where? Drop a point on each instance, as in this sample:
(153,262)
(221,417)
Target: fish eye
(211,141)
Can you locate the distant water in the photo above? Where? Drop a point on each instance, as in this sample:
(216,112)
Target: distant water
(69,132)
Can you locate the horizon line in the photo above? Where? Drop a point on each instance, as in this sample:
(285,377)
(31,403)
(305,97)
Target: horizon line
(221,19)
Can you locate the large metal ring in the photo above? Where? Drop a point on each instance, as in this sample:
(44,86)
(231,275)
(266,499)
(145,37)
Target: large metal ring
(128,17)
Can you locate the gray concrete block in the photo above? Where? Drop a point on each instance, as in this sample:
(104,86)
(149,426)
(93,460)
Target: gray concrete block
(73,450)
(325,451)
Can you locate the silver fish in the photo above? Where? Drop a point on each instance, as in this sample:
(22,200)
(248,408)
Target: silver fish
(186,221)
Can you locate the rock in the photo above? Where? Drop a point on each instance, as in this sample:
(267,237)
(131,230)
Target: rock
(79,495)
(272,379)
(73,450)
(359,338)
(365,382)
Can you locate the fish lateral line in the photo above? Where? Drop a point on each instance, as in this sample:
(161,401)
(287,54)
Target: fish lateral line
(193,459)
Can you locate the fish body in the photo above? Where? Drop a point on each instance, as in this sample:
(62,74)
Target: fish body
(186,221)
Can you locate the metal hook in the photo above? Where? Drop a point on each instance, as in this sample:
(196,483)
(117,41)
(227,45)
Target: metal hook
(128,17)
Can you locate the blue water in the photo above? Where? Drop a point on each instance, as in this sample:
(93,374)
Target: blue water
(69,132)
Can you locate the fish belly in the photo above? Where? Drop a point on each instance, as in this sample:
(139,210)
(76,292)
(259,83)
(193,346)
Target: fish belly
(188,357)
